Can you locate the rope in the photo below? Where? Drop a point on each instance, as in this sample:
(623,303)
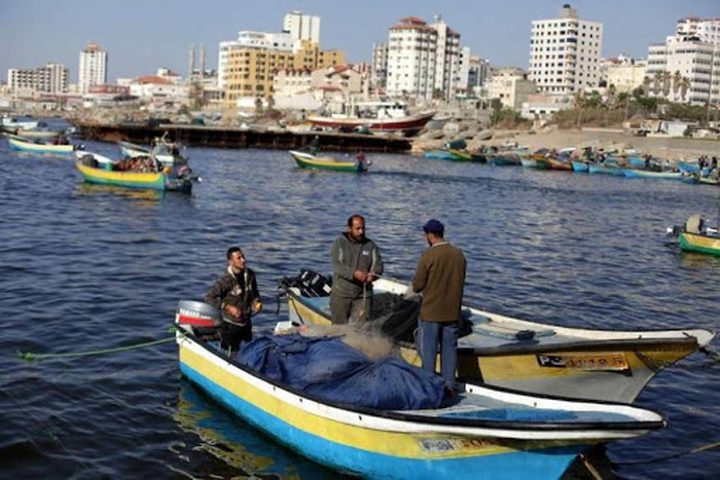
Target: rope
(702,448)
(34,357)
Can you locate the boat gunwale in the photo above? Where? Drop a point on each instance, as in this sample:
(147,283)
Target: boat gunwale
(453,423)
(551,348)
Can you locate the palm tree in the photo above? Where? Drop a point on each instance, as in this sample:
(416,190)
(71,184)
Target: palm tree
(657,83)
(684,87)
(646,85)
(611,93)
(677,78)
(665,77)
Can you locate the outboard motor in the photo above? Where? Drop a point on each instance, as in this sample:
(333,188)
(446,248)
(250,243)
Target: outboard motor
(198,318)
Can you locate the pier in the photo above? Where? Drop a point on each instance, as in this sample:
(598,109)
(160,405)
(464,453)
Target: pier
(226,137)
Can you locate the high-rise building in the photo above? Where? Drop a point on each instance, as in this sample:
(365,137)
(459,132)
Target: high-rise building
(422,59)
(93,67)
(302,27)
(686,68)
(51,78)
(378,76)
(565,53)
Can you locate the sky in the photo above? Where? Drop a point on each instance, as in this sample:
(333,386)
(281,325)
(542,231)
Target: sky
(141,36)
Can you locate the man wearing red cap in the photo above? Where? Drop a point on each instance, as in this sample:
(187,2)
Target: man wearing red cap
(440,276)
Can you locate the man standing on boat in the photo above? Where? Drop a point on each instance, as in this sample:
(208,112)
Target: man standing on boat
(440,276)
(236,294)
(356,264)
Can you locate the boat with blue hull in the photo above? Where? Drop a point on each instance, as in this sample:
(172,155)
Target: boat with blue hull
(497,433)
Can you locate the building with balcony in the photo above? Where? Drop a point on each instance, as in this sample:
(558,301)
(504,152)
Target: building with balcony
(565,53)
(93,67)
(302,27)
(686,68)
(51,78)
(512,87)
(423,59)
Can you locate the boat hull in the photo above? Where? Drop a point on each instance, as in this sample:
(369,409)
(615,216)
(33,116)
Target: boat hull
(21,146)
(305,160)
(367,450)
(615,369)
(409,123)
(132,152)
(699,243)
(153,181)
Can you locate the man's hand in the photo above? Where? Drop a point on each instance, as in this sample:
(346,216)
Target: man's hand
(233,311)
(360,276)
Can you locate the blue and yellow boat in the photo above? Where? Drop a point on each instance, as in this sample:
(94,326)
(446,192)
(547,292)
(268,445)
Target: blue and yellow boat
(697,236)
(37,146)
(522,355)
(100,170)
(314,162)
(493,433)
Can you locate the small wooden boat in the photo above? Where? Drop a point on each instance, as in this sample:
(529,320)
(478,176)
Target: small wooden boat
(495,433)
(697,236)
(101,170)
(36,146)
(503,159)
(580,166)
(12,124)
(167,153)
(523,355)
(634,173)
(307,160)
(557,164)
(451,154)
(606,169)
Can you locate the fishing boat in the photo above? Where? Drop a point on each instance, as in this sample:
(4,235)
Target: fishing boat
(316,162)
(37,146)
(595,167)
(98,169)
(448,154)
(580,166)
(496,433)
(12,124)
(635,173)
(374,116)
(696,235)
(519,354)
(166,152)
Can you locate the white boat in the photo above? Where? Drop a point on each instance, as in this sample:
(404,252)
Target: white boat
(167,153)
(519,354)
(374,116)
(13,123)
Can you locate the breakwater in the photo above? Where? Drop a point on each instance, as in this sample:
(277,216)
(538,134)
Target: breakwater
(226,137)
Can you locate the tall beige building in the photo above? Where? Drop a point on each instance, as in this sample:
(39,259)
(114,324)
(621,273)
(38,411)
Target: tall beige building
(93,67)
(247,66)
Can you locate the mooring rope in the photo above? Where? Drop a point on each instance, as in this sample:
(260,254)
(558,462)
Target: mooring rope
(701,448)
(35,357)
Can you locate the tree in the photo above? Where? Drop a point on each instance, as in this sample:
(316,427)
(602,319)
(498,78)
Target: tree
(496,106)
(665,78)
(271,103)
(684,87)
(677,78)
(611,95)
(258,105)
(438,94)
(657,83)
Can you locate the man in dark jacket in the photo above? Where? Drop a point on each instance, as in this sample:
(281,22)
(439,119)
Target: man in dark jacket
(440,276)
(236,294)
(356,264)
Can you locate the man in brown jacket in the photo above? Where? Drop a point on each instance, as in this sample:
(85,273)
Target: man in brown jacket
(440,276)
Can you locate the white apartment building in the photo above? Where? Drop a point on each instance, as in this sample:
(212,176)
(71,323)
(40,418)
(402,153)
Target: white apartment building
(422,58)
(512,87)
(302,27)
(93,67)
(686,68)
(565,53)
(255,40)
(51,78)
(625,74)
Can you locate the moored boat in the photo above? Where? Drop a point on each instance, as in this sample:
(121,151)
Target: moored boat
(524,355)
(580,166)
(98,169)
(697,236)
(374,116)
(316,162)
(37,146)
(167,153)
(498,433)
(635,173)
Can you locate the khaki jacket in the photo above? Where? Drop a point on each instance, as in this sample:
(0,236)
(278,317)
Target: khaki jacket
(440,276)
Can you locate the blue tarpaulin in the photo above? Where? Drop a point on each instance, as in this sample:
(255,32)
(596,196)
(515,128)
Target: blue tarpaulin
(328,368)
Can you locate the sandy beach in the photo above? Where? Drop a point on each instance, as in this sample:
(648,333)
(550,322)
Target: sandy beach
(671,148)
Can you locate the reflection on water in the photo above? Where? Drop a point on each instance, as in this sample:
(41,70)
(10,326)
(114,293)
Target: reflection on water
(230,449)
(92,189)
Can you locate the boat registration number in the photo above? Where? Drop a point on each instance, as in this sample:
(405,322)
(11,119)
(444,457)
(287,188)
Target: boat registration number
(585,361)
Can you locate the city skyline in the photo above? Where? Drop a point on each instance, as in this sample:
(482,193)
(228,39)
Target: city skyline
(141,37)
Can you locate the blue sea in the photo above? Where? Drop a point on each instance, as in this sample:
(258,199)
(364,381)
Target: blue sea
(86,267)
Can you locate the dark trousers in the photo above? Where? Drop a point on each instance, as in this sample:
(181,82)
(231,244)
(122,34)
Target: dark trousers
(445,334)
(350,310)
(231,335)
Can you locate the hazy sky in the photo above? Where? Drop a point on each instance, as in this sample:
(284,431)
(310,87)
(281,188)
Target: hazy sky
(142,35)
